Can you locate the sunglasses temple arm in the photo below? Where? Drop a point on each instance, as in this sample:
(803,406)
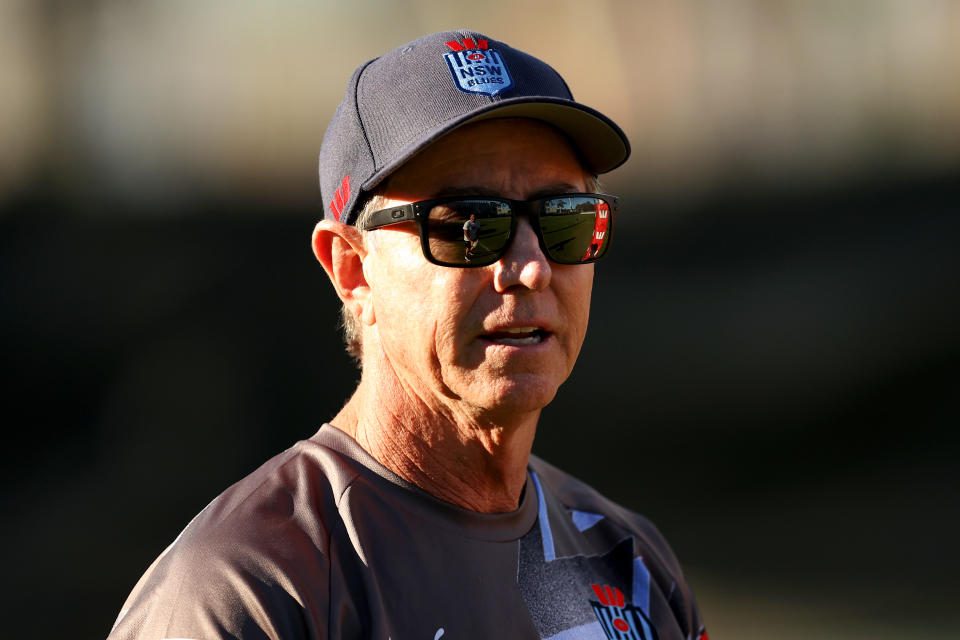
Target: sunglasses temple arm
(390,216)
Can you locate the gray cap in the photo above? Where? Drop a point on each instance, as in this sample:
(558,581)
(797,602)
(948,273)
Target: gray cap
(401,102)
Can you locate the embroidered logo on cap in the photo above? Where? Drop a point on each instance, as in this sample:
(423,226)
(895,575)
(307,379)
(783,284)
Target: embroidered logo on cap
(340,197)
(476,68)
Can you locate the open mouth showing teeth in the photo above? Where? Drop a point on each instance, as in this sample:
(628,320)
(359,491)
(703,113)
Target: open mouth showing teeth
(517,336)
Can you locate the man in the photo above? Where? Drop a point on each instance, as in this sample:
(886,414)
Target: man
(471,235)
(419,512)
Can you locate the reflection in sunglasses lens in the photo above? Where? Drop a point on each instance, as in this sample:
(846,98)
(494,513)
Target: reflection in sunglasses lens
(575,229)
(469,231)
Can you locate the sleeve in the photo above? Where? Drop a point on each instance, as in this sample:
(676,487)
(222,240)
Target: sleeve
(229,588)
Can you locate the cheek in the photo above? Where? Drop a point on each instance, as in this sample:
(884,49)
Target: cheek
(575,299)
(450,305)
(419,306)
(396,285)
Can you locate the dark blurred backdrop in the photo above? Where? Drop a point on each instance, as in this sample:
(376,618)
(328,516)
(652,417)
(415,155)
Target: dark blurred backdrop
(774,341)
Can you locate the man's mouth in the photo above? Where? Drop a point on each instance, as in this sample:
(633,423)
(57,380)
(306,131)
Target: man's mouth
(516,336)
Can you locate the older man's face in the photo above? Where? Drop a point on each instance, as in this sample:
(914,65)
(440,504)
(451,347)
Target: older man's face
(498,339)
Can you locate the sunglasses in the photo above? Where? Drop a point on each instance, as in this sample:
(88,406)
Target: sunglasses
(475,231)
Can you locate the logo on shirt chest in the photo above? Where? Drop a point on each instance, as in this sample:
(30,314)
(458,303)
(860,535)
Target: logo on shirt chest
(620,621)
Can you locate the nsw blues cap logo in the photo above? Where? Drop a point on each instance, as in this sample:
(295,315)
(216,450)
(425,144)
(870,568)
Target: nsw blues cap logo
(476,68)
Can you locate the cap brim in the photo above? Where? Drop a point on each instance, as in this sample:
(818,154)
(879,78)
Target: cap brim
(601,143)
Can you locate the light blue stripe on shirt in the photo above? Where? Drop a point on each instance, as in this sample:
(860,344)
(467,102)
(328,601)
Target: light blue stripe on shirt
(549,554)
(641,586)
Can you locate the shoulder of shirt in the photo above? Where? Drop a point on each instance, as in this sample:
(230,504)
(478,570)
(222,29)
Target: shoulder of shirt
(264,540)
(575,494)
(296,491)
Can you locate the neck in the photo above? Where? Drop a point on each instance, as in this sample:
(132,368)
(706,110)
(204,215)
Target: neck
(462,456)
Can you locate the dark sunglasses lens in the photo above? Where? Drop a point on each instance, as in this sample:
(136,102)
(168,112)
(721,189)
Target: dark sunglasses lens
(468,232)
(576,229)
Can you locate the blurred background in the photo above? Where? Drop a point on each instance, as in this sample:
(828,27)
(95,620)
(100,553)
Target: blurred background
(776,334)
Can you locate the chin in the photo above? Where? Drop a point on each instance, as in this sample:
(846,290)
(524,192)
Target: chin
(518,393)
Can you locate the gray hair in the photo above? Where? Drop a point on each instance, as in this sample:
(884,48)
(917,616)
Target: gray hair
(350,323)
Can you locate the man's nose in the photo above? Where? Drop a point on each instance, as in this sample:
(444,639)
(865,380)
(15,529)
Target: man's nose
(524,263)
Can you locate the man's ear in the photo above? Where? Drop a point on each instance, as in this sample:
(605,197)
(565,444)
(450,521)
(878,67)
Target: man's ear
(341,250)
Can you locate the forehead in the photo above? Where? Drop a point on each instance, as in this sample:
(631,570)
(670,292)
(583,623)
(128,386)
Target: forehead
(512,157)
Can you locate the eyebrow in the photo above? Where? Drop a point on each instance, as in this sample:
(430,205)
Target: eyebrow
(558,188)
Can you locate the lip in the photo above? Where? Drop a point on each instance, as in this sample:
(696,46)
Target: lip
(518,335)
